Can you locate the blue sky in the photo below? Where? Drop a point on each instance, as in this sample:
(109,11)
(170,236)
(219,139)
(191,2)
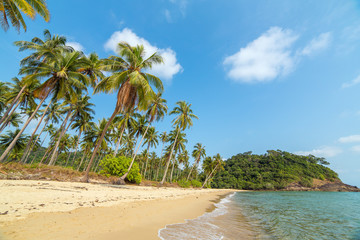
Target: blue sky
(259,74)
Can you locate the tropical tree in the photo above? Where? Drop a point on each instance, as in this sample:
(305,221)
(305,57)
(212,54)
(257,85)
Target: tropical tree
(11,10)
(133,86)
(124,121)
(6,140)
(156,111)
(198,153)
(182,121)
(211,165)
(151,141)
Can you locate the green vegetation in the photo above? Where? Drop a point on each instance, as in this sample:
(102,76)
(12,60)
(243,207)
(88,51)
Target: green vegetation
(118,166)
(273,170)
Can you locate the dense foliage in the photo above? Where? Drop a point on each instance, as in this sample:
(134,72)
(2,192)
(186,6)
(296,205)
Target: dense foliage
(118,166)
(273,170)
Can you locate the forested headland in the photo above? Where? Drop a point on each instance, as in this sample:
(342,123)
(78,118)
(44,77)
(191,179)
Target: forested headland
(274,170)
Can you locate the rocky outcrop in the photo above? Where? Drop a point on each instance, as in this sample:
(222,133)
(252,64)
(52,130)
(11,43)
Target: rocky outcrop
(323,185)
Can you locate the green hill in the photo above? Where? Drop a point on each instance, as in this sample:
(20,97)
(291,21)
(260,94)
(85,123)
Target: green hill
(272,170)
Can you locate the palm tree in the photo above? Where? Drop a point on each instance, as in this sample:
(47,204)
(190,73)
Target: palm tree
(124,121)
(211,165)
(21,94)
(182,121)
(12,9)
(4,88)
(156,111)
(133,85)
(179,146)
(151,141)
(14,120)
(6,140)
(77,107)
(198,153)
(83,124)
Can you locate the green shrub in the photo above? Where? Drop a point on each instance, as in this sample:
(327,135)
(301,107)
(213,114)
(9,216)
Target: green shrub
(306,182)
(183,183)
(118,166)
(196,183)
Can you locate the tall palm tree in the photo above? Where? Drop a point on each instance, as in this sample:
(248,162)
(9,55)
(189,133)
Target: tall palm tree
(12,9)
(124,121)
(151,141)
(182,121)
(4,88)
(83,124)
(211,165)
(198,153)
(156,111)
(128,79)
(20,93)
(63,80)
(6,140)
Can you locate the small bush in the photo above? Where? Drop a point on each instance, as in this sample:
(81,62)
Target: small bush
(306,182)
(118,166)
(196,183)
(183,183)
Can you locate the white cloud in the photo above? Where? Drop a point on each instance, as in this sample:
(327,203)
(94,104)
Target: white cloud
(350,139)
(164,71)
(75,45)
(356,148)
(263,59)
(324,151)
(168,15)
(319,43)
(352,83)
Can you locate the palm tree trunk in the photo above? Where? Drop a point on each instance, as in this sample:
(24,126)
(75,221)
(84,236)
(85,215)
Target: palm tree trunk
(10,147)
(54,154)
(32,146)
(122,178)
(172,170)
(118,142)
(209,176)
(82,159)
(33,134)
(12,104)
(147,160)
(86,177)
(40,145)
(6,121)
(167,164)
(77,145)
(195,164)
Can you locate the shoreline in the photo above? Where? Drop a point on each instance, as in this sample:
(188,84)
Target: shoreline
(106,212)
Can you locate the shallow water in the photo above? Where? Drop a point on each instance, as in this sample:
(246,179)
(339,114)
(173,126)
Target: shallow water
(275,215)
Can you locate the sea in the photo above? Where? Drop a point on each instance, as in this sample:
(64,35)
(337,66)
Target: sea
(275,215)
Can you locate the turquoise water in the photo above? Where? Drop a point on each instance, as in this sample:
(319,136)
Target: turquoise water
(275,215)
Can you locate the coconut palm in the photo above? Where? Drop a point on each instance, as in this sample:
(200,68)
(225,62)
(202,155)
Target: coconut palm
(4,88)
(179,146)
(6,140)
(14,120)
(20,93)
(63,80)
(198,153)
(128,79)
(156,111)
(182,121)
(211,165)
(124,121)
(11,10)
(151,141)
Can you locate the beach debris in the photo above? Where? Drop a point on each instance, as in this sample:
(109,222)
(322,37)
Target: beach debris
(4,213)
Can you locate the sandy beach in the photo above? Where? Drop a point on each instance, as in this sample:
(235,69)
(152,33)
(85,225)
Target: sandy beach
(68,210)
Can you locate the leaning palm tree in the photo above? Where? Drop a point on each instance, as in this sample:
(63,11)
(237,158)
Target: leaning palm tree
(182,121)
(11,9)
(4,89)
(133,86)
(156,111)
(124,121)
(63,80)
(211,165)
(198,153)
(6,140)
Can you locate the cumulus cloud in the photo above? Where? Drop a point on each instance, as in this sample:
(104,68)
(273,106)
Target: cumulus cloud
(325,151)
(263,59)
(319,43)
(350,139)
(164,71)
(352,83)
(75,45)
